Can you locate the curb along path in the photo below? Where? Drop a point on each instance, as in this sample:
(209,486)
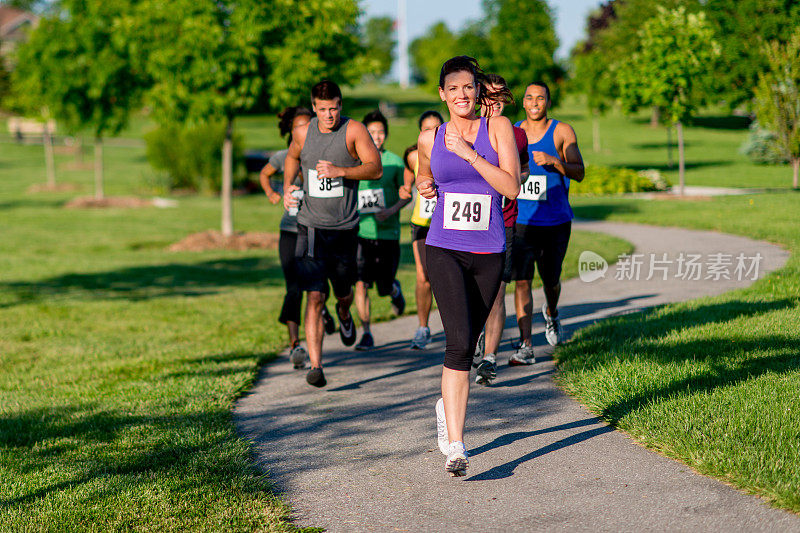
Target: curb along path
(361,454)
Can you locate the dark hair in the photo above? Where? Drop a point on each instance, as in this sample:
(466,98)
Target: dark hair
(287,116)
(407,153)
(470,64)
(544,85)
(325,90)
(376,116)
(428,114)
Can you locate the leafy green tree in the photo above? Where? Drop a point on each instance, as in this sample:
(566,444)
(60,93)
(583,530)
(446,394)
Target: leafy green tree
(596,80)
(429,51)
(741,26)
(217,59)
(28,5)
(777,97)
(378,40)
(77,64)
(522,44)
(671,69)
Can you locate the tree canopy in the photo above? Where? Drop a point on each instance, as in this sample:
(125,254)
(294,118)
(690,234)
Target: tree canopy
(378,40)
(778,97)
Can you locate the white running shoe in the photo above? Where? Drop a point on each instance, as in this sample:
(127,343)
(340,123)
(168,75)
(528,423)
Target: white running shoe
(421,338)
(523,356)
(479,349)
(457,461)
(298,357)
(552,328)
(441,427)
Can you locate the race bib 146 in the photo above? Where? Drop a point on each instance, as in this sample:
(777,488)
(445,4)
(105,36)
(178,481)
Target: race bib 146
(534,188)
(467,211)
(325,187)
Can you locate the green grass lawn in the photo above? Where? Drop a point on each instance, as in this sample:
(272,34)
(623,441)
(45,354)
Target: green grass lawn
(120,361)
(713,382)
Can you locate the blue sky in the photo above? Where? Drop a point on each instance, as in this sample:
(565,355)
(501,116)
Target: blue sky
(570,16)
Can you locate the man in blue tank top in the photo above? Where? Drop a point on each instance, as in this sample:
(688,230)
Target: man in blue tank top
(332,153)
(544,218)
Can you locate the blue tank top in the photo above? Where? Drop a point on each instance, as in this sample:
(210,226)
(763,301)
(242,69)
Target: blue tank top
(544,200)
(468,216)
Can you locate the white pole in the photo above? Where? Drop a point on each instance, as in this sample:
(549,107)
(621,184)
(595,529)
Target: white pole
(402,45)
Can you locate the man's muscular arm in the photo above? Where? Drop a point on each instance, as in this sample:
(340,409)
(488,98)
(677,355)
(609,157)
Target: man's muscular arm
(366,152)
(570,164)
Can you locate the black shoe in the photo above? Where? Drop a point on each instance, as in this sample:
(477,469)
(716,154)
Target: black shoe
(398,302)
(328,321)
(316,377)
(347,330)
(366,343)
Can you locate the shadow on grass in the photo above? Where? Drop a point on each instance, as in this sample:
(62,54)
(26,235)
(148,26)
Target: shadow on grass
(722,122)
(89,452)
(152,281)
(659,145)
(603,211)
(649,336)
(689,165)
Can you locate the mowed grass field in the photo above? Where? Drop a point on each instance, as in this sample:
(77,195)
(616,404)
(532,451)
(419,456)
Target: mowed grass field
(120,360)
(712,382)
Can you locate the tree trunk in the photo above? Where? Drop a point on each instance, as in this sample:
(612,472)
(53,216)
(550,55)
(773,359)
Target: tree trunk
(795,171)
(670,163)
(655,117)
(98,168)
(49,159)
(78,152)
(681,160)
(227,180)
(595,133)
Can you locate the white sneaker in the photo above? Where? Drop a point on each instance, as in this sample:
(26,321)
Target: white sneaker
(421,338)
(523,356)
(479,349)
(298,357)
(457,461)
(441,427)
(552,328)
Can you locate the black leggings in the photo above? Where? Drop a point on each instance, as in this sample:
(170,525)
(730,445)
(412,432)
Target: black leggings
(293,301)
(465,285)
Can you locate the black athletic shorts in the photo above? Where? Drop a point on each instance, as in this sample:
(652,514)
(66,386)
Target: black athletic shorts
(507,270)
(377,261)
(542,247)
(326,254)
(419,232)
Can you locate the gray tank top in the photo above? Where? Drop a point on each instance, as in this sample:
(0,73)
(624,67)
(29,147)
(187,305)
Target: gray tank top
(328,203)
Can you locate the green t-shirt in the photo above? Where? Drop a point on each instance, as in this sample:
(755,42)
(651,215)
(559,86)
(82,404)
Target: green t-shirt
(372,194)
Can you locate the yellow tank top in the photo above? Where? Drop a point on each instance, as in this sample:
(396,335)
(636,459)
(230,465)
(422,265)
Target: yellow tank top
(423,207)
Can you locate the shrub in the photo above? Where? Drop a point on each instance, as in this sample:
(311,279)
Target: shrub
(191,158)
(761,147)
(601,180)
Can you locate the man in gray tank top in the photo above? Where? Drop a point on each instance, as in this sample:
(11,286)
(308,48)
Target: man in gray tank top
(332,153)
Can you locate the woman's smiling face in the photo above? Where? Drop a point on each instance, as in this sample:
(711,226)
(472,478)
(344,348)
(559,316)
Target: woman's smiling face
(460,92)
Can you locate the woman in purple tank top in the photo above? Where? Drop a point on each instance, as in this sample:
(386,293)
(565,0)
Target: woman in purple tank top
(468,165)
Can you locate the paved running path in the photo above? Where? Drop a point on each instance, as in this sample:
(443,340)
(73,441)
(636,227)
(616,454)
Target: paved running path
(361,454)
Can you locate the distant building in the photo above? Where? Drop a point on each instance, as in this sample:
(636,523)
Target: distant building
(14,27)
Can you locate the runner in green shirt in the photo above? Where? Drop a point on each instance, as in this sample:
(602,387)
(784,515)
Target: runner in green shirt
(379,203)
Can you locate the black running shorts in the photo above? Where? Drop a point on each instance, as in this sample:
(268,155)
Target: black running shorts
(542,247)
(326,254)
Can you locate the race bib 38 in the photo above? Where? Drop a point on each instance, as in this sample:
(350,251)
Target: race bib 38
(467,211)
(325,187)
(534,188)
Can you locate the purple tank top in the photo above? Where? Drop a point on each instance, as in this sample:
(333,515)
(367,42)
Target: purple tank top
(469,213)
